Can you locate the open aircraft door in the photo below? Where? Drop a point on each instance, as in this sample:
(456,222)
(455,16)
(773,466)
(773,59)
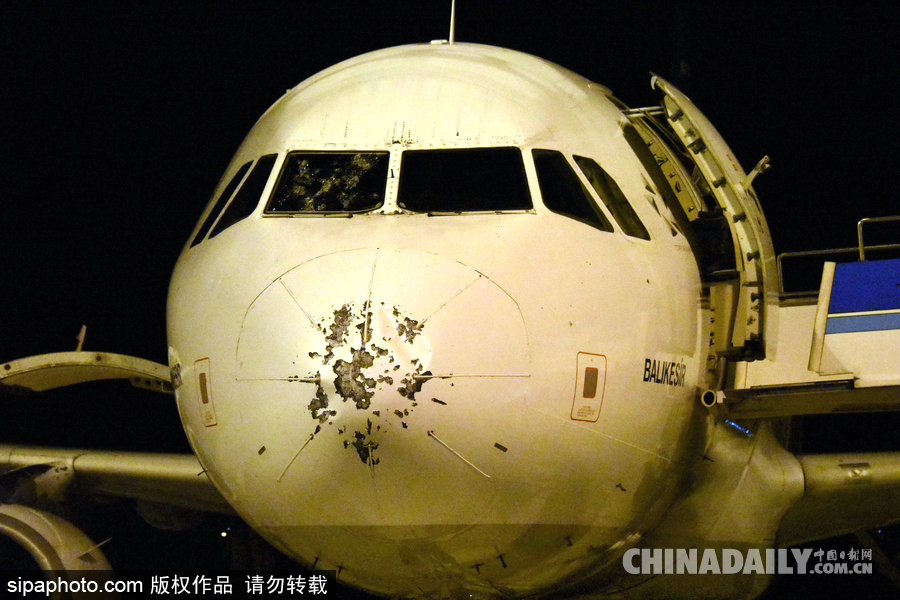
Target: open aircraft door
(755,322)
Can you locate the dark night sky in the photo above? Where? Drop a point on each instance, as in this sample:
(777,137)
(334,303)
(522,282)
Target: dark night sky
(117,119)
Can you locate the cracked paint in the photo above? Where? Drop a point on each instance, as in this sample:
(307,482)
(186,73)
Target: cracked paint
(412,384)
(349,333)
(350,382)
(372,360)
(407,328)
(364,448)
(340,326)
(318,405)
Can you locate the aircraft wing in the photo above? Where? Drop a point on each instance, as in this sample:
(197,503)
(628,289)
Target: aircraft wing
(843,493)
(175,479)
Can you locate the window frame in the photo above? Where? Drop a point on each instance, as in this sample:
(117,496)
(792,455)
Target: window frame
(626,218)
(221,203)
(249,179)
(525,190)
(604,224)
(283,172)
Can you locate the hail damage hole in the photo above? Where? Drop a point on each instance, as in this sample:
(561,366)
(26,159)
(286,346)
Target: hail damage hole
(364,448)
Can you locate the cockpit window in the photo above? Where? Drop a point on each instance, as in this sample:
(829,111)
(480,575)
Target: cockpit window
(608,191)
(330,182)
(247,198)
(563,192)
(220,203)
(463,180)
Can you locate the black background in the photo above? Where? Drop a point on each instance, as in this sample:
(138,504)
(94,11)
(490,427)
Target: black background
(117,119)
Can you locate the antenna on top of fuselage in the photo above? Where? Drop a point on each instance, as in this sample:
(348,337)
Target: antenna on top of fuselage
(452,37)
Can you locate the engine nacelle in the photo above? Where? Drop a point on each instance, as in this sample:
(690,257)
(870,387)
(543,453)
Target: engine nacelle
(54,543)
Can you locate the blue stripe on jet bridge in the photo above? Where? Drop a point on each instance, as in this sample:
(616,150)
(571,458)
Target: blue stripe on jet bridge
(856,323)
(865,286)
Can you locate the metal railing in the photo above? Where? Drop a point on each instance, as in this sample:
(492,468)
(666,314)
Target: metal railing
(860,250)
(859,234)
(802,253)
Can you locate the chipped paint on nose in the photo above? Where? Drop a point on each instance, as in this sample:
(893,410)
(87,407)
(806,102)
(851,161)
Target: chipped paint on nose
(370,354)
(362,332)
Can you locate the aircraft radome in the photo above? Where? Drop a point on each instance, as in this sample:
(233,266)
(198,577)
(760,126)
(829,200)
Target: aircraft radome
(456,322)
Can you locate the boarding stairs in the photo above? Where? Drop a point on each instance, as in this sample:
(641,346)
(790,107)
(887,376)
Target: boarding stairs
(837,350)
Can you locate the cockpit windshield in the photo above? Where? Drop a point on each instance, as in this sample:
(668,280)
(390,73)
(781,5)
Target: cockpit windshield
(463,180)
(330,182)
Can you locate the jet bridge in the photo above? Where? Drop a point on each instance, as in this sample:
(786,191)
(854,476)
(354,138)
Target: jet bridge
(837,349)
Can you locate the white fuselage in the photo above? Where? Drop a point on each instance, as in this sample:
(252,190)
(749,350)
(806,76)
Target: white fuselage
(431,403)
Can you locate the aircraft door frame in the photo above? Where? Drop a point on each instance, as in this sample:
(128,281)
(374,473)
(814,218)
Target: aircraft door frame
(755,326)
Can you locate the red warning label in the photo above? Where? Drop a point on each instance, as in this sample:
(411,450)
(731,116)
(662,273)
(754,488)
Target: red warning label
(590,383)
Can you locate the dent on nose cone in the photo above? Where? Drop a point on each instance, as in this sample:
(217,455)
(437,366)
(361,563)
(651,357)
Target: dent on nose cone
(378,350)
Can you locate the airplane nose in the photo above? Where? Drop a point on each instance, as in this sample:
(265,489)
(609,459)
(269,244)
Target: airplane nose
(372,370)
